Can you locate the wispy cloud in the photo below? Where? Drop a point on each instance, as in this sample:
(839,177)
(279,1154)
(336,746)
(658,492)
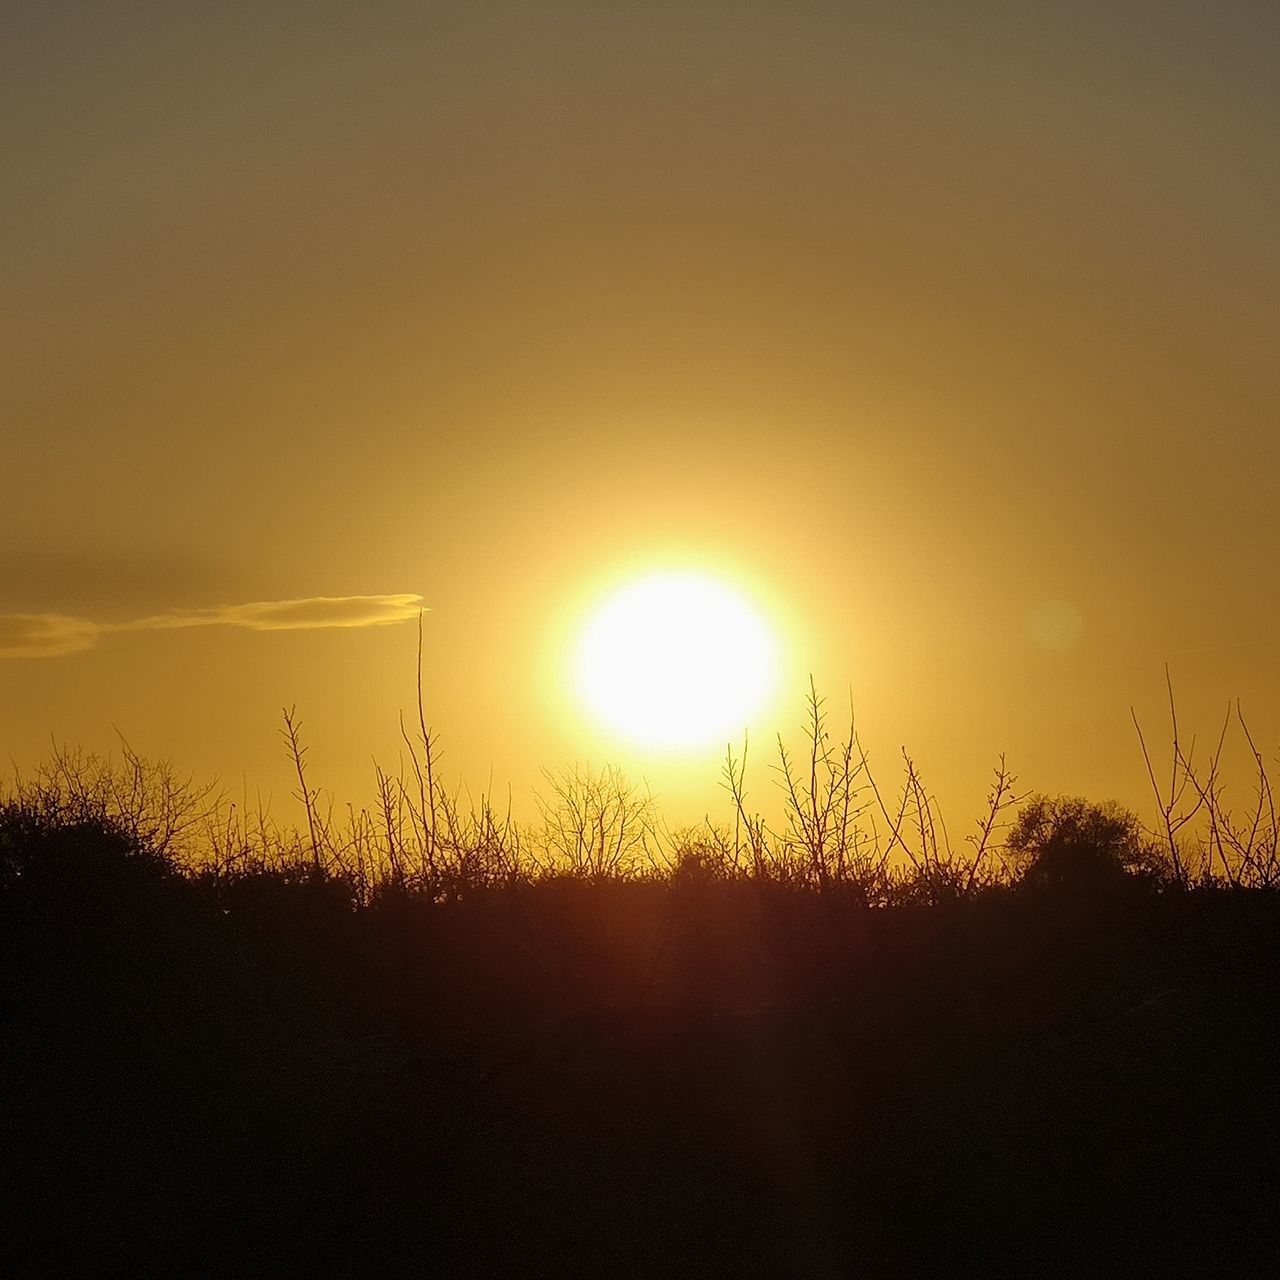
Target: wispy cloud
(49,635)
(44,635)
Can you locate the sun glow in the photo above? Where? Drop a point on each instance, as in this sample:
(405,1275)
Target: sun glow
(675,659)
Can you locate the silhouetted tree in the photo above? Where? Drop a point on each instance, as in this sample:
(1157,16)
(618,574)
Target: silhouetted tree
(1068,842)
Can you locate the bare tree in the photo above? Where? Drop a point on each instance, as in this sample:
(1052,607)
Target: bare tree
(595,824)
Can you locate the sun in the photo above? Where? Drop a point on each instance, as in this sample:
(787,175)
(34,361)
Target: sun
(675,659)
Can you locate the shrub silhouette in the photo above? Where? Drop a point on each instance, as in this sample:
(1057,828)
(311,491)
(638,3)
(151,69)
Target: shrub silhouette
(77,872)
(1069,844)
(595,1045)
(626,1074)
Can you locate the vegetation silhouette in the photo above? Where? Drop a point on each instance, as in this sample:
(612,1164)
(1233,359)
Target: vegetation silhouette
(1069,845)
(433,1038)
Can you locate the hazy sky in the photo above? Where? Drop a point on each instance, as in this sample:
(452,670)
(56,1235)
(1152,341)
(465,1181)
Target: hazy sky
(948,330)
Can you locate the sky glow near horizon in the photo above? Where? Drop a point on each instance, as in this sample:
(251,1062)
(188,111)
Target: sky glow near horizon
(948,330)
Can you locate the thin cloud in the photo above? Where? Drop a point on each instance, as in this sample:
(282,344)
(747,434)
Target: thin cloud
(44,635)
(48,635)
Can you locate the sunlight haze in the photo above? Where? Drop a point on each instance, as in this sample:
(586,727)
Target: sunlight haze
(947,331)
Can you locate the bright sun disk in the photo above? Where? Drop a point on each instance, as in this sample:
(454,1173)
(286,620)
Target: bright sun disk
(675,659)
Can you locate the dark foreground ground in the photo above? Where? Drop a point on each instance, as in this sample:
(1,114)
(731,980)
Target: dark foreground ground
(631,1080)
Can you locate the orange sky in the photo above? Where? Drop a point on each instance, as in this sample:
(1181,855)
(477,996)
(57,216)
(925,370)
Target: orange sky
(923,324)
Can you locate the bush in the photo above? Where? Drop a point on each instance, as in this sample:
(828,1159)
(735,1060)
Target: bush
(1069,843)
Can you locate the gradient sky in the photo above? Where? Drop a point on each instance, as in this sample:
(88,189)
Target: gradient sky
(948,330)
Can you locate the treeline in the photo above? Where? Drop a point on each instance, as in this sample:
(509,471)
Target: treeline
(841,826)
(696,1074)
(589,1046)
